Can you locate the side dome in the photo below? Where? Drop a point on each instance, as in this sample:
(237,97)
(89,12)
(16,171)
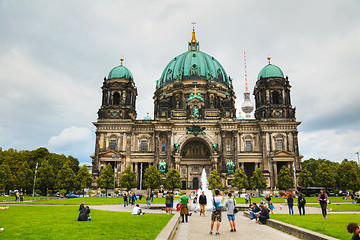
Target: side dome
(120,72)
(194,65)
(270,70)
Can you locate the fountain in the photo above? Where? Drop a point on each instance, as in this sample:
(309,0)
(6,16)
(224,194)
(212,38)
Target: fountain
(204,188)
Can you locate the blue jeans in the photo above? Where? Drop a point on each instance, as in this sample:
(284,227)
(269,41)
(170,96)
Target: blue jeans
(148,203)
(125,203)
(291,210)
(253,215)
(231,217)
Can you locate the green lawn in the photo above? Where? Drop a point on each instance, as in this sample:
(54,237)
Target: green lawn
(281,200)
(12,198)
(334,226)
(60,222)
(340,207)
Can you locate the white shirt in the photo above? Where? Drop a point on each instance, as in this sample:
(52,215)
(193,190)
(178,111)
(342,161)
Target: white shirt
(135,211)
(217,203)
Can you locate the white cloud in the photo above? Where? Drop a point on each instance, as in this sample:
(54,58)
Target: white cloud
(72,140)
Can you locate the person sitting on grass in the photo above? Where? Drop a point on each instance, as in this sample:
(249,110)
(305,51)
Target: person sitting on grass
(264,215)
(84,214)
(354,228)
(82,206)
(137,210)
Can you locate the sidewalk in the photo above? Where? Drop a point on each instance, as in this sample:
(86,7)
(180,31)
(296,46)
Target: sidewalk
(199,228)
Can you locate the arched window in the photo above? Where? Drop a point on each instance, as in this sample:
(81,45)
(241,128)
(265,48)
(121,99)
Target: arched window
(113,144)
(116,98)
(275,97)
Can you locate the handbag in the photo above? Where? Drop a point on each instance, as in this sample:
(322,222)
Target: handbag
(235,210)
(216,208)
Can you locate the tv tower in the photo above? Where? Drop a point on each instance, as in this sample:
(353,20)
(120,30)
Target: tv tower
(247,106)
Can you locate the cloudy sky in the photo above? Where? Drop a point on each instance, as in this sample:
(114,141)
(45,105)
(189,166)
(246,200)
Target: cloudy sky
(55,54)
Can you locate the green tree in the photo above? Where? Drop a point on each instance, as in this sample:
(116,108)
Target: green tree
(66,177)
(83,179)
(215,180)
(284,179)
(324,176)
(128,179)
(172,180)
(305,179)
(45,177)
(5,177)
(24,178)
(258,181)
(152,178)
(240,179)
(347,177)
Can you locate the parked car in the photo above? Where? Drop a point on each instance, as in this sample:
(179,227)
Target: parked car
(70,195)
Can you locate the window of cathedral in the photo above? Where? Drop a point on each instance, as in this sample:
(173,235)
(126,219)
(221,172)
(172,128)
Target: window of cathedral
(143,146)
(275,97)
(183,170)
(248,146)
(116,99)
(279,144)
(163,147)
(113,144)
(228,147)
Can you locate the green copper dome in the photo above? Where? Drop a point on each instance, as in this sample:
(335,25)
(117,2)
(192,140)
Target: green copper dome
(194,65)
(270,71)
(147,117)
(120,72)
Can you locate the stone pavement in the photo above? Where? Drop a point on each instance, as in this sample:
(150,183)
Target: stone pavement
(199,228)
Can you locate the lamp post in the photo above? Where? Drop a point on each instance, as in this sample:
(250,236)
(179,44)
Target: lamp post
(270,156)
(141,170)
(357,153)
(33,194)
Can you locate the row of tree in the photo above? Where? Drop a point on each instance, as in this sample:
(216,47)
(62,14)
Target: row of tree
(54,172)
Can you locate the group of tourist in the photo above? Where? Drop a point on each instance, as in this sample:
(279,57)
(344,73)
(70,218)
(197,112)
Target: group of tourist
(84,212)
(130,199)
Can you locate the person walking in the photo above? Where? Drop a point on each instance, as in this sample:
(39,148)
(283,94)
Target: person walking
(148,205)
(352,197)
(230,205)
(290,202)
(301,204)
(323,198)
(202,202)
(184,207)
(216,212)
(171,202)
(271,207)
(195,202)
(167,203)
(125,200)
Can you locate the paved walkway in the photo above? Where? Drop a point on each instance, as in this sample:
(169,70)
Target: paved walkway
(199,227)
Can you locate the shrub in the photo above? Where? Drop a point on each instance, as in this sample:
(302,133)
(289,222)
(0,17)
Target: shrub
(226,192)
(281,193)
(50,191)
(90,192)
(116,192)
(103,191)
(156,193)
(312,195)
(63,192)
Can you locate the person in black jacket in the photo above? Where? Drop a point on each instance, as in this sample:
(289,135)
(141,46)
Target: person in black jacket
(290,202)
(202,202)
(264,215)
(82,206)
(301,204)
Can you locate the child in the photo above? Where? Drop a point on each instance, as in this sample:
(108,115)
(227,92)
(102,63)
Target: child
(280,206)
(178,206)
(271,206)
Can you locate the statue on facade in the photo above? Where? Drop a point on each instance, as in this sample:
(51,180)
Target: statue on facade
(195,112)
(215,146)
(162,166)
(230,166)
(176,145)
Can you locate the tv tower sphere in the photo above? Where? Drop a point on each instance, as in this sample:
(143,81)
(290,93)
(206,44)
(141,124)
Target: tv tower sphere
(247,106)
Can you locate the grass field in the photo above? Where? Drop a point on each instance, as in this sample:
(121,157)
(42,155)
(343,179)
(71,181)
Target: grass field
(340,207)
(12,198)
(60,222)
(334,226)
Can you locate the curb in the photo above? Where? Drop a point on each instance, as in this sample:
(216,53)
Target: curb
(170,229)
(295,230)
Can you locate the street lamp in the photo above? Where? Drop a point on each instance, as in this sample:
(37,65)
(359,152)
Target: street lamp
(115,156)
(35,179)
(141,170)
(270,156)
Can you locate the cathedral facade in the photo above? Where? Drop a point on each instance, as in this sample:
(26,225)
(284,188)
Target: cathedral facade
(195,125)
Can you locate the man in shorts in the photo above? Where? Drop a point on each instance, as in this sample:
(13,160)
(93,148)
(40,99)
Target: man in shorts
(216,212)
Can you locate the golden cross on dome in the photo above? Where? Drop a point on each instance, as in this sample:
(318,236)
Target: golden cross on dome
(193,23)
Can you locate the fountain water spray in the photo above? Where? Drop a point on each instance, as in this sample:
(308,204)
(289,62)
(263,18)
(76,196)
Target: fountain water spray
(204,188)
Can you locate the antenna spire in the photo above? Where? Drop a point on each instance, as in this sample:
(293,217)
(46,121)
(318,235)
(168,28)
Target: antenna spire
(246,86)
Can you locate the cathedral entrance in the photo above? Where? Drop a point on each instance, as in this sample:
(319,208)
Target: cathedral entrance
(195,156)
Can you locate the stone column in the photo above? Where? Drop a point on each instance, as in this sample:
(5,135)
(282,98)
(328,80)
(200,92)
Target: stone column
(156,148)
(235,146)
(128,150)
(223,152)
(169,162)
(188,177)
